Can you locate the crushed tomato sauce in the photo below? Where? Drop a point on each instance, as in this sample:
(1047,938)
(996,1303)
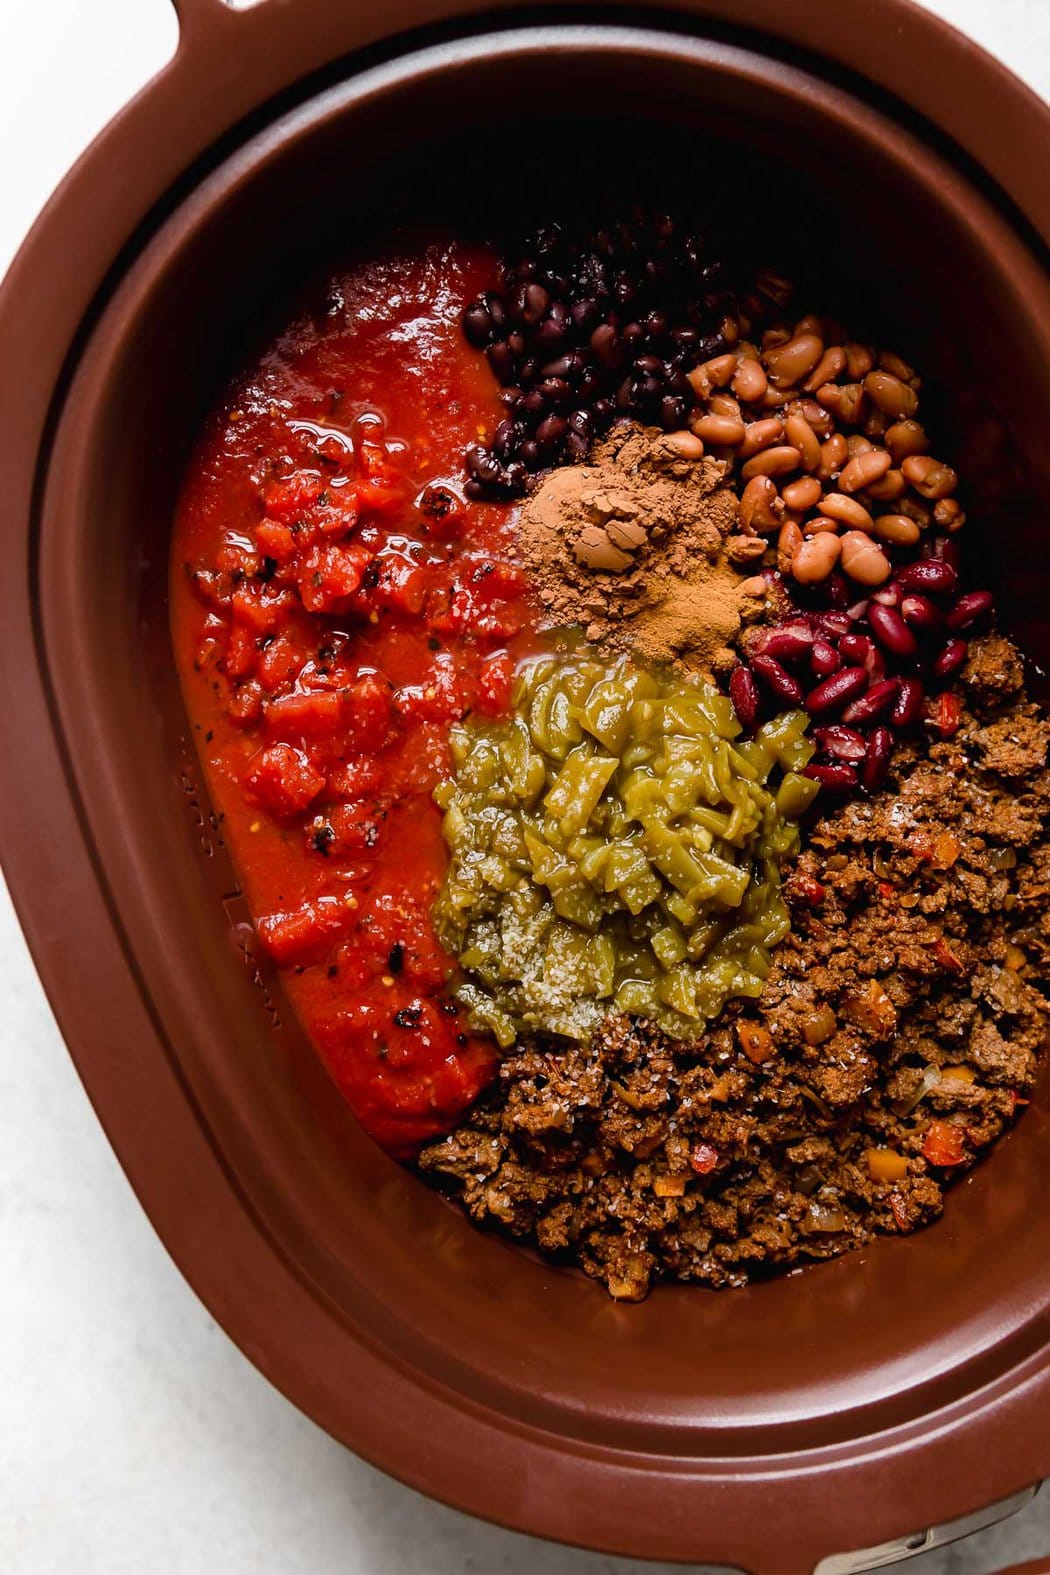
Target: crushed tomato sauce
(336,605)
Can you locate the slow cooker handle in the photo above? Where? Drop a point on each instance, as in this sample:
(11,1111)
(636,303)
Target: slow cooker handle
(201,19)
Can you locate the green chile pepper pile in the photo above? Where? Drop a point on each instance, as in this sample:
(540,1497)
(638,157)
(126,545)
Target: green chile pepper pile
(616,846)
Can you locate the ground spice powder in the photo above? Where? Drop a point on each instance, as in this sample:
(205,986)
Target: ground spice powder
(641,546)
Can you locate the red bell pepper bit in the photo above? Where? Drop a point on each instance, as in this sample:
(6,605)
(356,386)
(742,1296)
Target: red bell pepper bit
(704,1158)
(944,1144)
(949,714)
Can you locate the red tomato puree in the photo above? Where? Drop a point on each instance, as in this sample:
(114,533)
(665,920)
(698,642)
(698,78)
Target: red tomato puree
(336,605)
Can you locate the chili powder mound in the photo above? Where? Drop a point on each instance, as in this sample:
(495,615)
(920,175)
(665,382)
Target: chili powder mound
(640,545)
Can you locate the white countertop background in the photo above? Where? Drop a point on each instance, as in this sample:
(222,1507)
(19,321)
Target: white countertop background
(134,1437)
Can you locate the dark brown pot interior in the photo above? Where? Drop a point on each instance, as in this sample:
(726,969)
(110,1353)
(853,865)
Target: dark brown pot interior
(645,1429)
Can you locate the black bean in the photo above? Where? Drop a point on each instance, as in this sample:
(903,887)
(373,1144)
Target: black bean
(534,303)
(606,348)
(507,435)
(555,389)
(550,335)
(588,386)
(576,312)
(481,463)
(586,315)
(582,423)
(633,339)
(550,432)
(477,325)
(625,291)
(656,325)
(672,412)
(564,366)
(503,361)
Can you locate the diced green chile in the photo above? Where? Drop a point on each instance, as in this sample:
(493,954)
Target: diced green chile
(613,847)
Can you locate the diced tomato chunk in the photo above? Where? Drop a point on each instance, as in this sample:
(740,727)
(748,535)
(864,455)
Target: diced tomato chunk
(444,695)
(442,510)
(276,541)
(314,714)
(242,652)
(357,778)
(400,584)
(245,706)
(304,933)
(330,575)
(282,781)
(404,1066)
(346,829)
(396,937)
(259,608)
(369,713)
(281,660)
(495,683)
(288,499)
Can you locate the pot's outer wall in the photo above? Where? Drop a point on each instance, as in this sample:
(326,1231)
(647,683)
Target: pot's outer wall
(635,1470)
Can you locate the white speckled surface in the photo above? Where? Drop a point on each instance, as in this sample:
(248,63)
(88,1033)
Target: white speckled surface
(133,1436)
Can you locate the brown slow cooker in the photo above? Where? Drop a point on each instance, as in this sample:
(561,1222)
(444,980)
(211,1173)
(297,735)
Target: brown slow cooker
(830,1409)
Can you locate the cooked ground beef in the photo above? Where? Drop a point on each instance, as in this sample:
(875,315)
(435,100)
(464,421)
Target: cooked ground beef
(905,1013)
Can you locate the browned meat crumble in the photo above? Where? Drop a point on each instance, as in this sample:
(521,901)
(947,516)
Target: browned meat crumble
(906,1010)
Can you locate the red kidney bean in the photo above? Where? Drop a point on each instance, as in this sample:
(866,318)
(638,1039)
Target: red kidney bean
(855,648)
(834,624)
(842,742)
(891,631)
(839,591)
(877,760)
(777,679)
(929,575)
(922,614)
(946,550)
(969,608)
(789,643)
(823,659)
(836,691)
(838,779)
(744,694)
(888,595)
(858,610)
(878,699)
(907,708)
(950,659)
(874,665)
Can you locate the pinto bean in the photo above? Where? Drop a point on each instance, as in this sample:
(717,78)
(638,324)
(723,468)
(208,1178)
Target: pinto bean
(801,435)
(891,395)
(815,558)
(863,560)
(864,469)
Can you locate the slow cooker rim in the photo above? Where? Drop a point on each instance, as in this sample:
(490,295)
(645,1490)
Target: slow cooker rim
(14,860)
